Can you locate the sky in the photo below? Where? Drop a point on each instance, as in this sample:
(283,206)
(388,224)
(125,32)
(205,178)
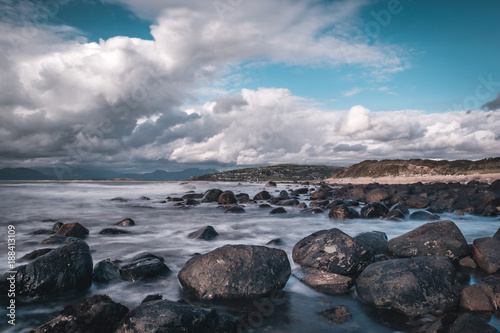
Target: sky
(140,85)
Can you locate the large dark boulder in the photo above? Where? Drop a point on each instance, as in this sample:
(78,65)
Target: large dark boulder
(374,210)
(64,269)
(263,195)
(144,266)
(435,238)
(98,313)
(164,316)
(413,286)
(106,271)
(374,240)
(227,198)
(486,253)
(340,211)
(205,233)
(332,251)
(211,195)
(235,271)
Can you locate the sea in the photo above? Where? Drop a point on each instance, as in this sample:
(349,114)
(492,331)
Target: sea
(161,228)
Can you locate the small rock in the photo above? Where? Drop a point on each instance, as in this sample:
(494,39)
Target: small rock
(473,298)
(227,198)
(424,215)
(401,207)
(144,198)
(417,202)
(312,211)
(337,315)
(145,267)
(119,199)
(73,230)
(276,241)
(324,282)
(113,231)
(263,195)
(205,233)
(374,210)
(486,252)
(126,222)
(211,195)
(467,262)
(278,210)
(469,323)
(153,297)
(265,206)
(106,271)
(235,210)
(271,184)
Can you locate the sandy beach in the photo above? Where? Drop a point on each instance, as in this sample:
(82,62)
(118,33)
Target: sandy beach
(485,178)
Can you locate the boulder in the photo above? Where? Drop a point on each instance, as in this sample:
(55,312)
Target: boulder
(395,215)
(318,195)
(234,210)
(113,231)
(434,238)
(288,202)
(378,194)
(469,323)
(319,203)
(324,282)
(263,195)
(473,298)
(235,271)
(332,251)
(271,184)
(374,240)
(144,266)
(98,313)
(374,210)
(417,202)
(227,198)
(423,215)
(126,222)
(401,207)
(205,233)
(192,202)
(278,210)
(467,262)
(72,230)
(486,252)
(34,254)
(192,196)
(337,315)
(413,286)
(106,271)
(64,269)
(164,316)
(491,286)
(341,211)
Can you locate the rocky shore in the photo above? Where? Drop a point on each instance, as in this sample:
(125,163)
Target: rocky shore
(421,273)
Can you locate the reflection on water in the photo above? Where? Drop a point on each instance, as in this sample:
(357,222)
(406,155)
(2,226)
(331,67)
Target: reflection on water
(162,228)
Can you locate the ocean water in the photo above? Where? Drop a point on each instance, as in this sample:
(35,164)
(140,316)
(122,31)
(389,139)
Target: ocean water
(162,229)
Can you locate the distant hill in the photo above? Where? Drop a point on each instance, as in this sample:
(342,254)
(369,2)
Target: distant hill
(164,175)
(418,167)
(96,174)
(23,174)
(278,172)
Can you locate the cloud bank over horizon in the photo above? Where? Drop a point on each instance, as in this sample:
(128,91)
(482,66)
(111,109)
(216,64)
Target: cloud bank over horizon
(130,103)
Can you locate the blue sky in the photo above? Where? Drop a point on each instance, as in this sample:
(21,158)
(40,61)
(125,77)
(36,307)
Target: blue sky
(137,85)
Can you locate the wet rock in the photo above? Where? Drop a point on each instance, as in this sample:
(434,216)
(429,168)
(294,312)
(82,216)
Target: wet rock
(34,254)
(469,323)
(227,198)
(423,215)
(302,205)
(401,207)
(324,282)
(126,222)
(378,194)
(467,262)
(113,231)
(235,271)
(417,202)
(98,313)
(473,298)
(491,286)
(271,184)
(64,269)
(340,211)
(278,210)
(374,210)
(395,214)
(235,210)
(192,196)
(486,252)
(265,206)
(263,195)
(211,195)
(318,195)
(357,194)
(106,271)
(276,241)
(332,251)
(205,233)
(312,211)
(435,209)
(288,202)
(413,286)
(73,230)
(319,203)
(153,297)
(57,226)
(144,266)
(54,240)
(192,202)
(374,240)
(435,238)
(337,315)
(167,316)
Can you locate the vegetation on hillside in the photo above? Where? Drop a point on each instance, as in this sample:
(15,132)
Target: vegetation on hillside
(419,167)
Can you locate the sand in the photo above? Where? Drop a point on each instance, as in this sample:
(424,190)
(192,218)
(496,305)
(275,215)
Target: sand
(485,178)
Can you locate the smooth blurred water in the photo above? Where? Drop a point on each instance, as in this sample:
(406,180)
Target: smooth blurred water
(162,228)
